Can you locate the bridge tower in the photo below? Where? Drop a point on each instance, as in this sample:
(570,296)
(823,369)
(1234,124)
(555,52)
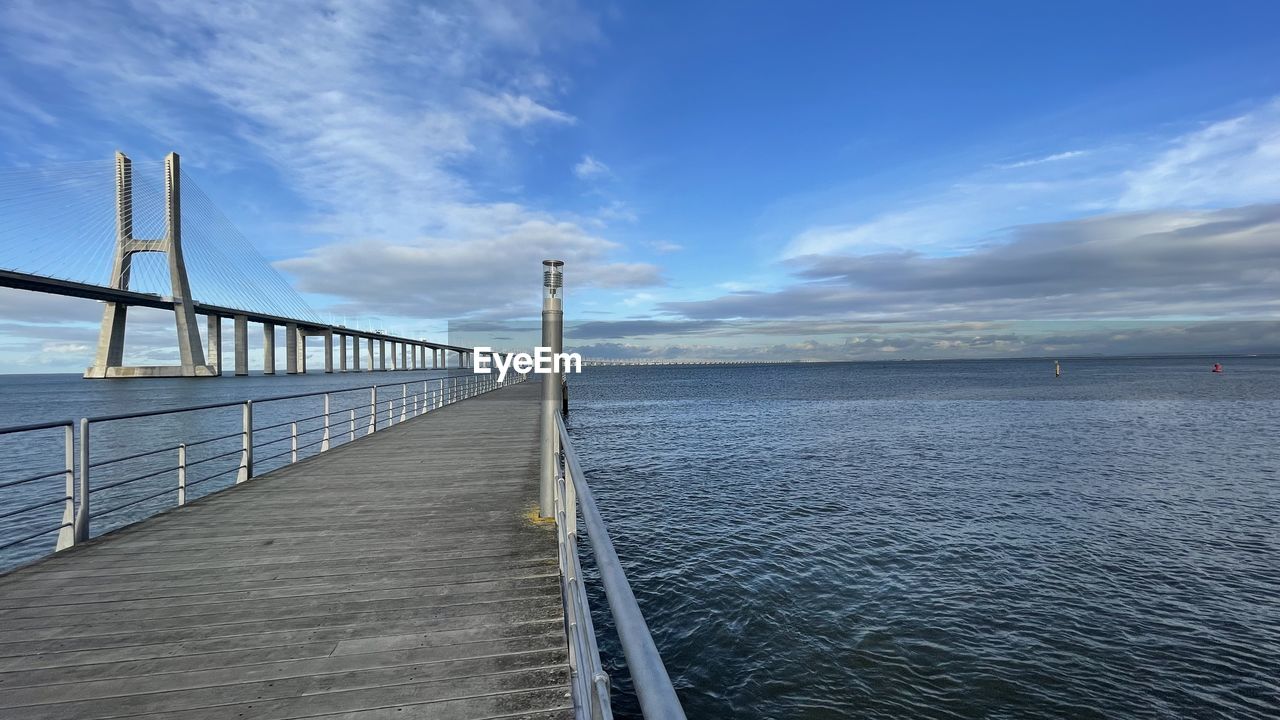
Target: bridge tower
(109,360)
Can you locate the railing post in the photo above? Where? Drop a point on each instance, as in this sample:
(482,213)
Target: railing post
(373,410)
(246,451)
(439,399)
(293,442)
(570,493)
(324,438)
(182,474)
(553,338)
(67,533)
(82,511)
(352,414)
(404,401)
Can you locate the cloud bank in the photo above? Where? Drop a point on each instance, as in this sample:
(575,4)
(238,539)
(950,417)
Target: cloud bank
(369,110)
(1216,264)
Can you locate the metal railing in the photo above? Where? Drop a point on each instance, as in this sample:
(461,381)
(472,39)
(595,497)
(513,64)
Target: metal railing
(120,490)
(21,527)
(590,683)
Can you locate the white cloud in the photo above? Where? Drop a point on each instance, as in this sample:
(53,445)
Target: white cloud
(485,257)
(366,109)
(589,168)
(1046,159)
(1229,162)
(1166,264)
(519,110)
(64,348)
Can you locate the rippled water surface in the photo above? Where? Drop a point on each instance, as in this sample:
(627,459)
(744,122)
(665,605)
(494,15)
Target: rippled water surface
(948,540)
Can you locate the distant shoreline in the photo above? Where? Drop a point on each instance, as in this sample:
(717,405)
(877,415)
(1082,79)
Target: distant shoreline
(1047,358)
(742,363)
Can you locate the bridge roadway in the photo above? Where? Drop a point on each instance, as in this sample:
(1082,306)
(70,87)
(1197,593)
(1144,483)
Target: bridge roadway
(71,288)
(398,577)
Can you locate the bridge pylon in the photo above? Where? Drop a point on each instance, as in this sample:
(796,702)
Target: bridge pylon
(109,359)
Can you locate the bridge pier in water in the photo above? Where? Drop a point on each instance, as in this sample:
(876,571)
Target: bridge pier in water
(214,332)
(268,349)
(109,356)
(242,345)
(291,348)
(392,355)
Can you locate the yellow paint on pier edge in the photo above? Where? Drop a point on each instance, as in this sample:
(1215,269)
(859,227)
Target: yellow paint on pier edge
(535,518)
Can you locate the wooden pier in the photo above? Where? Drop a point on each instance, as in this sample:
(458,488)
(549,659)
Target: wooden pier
(400,576)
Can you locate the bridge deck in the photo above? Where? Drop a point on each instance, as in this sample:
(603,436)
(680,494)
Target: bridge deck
(398,576)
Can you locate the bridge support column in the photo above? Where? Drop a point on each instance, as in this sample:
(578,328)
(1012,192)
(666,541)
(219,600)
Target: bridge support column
(435,358)
(382,355)
(242,345)
(342,353)
(268,349)
(369,347)
(291,348)
(108,360)
(214,324)
(302,352)
(328,351)
(404,356)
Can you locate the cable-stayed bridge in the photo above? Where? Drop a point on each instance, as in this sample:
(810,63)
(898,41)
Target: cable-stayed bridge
(158,241)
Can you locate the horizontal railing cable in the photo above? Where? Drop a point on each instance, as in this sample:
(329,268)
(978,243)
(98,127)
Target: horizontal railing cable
(33,536)
(29,508)
(33,478)
(135,456)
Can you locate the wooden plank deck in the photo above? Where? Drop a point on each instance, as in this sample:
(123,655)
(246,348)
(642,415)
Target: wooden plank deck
(399,577)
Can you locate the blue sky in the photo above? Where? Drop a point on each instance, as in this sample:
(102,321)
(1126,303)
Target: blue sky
(804,180)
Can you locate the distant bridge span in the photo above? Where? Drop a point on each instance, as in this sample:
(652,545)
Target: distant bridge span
(117,297)
(70,288)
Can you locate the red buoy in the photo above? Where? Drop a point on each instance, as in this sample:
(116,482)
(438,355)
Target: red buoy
(1217,367)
